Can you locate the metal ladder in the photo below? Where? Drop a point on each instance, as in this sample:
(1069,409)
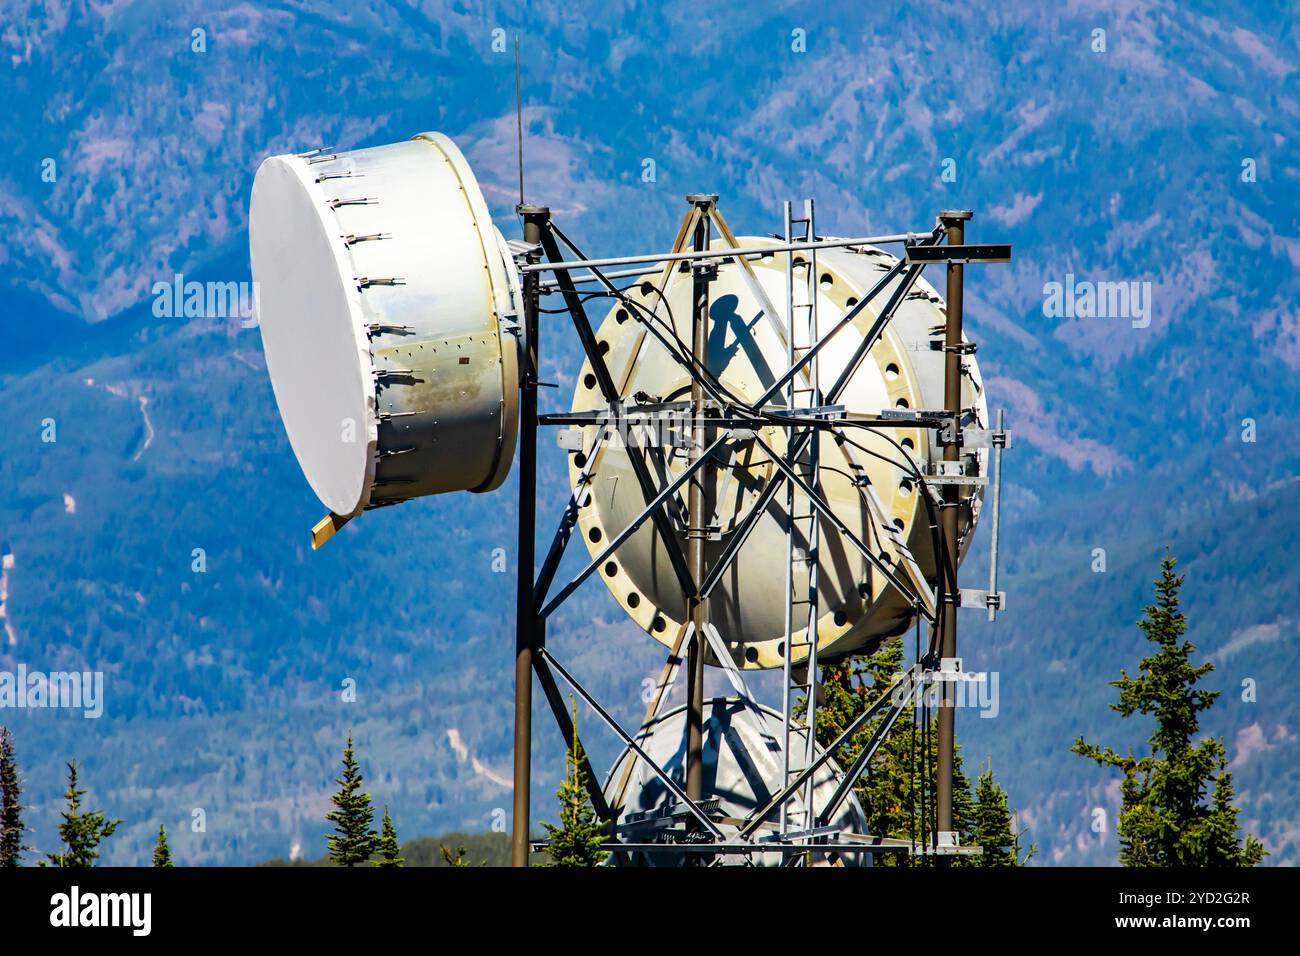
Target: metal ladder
(801,520)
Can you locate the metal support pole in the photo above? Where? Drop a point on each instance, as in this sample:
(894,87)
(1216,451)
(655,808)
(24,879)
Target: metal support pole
(757,252)
(955,223)
(713,419)
(526,621)
(787,657)
(999,443)
(698,503)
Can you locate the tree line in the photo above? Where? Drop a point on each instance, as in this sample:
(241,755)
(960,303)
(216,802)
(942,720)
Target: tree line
(80,832)
(1176,799)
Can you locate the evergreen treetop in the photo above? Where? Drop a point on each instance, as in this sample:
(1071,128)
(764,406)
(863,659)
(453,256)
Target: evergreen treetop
(897,788)
(162,854)
(577,840)
(993,828)
(1165,816)
(11,803)
(456,859)
(390,851)
(354,840)
(81,833)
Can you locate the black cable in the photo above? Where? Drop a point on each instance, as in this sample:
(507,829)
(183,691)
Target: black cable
(583,298)
(912,766)
(936,530)
(946,573)
(925,767)
(902,466)
(699,368)
(686,351)
(909,467)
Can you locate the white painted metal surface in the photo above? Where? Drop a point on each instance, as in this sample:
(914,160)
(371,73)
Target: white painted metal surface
(389,308)
(742,770)
(748,351)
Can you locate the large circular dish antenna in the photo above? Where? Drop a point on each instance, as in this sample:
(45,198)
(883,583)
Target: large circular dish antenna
(743,770)
(747,352)
(388,302)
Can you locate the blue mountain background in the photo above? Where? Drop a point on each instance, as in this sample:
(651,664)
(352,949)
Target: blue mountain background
(1161,149)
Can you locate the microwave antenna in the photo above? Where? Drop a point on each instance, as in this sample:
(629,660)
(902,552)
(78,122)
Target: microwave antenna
(778,448)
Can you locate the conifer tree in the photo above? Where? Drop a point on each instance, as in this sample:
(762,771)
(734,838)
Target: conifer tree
(162,854)
(1165,818)
(11,803)
(390,851)
(354,840)
(893,788)
(994,828)
(81,833)
(576,841)
(456,859)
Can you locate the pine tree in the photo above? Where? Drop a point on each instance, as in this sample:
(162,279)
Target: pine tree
(892,789)
(81,833)
(389,849)
(354,840)
(11,803)
(162,854)
(576,841)
(1164,817)
(456,859)
(993,828)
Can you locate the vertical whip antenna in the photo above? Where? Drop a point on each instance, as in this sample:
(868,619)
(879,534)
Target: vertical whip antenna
(519,121)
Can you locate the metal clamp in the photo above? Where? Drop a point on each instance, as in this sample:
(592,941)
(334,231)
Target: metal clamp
(524,252)
(982,438)
(951,473)
(961,348)
(815,411)
(980,598)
